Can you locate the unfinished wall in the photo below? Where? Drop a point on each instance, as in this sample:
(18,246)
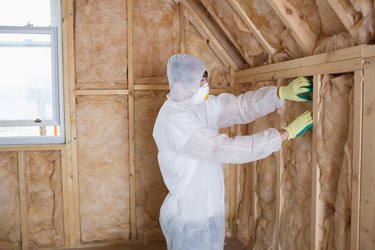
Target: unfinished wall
(100,44)
(156,38)
(102,129)
(334,159)
(150,188)
(10,227)
(44,199)
(218,74)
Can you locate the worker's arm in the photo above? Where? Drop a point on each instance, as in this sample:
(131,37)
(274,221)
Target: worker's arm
(247,107)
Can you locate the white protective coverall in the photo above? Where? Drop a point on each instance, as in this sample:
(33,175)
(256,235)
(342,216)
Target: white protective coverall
(191,153)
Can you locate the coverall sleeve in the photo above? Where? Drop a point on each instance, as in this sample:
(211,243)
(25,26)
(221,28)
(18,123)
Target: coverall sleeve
(247,107)
(192,140)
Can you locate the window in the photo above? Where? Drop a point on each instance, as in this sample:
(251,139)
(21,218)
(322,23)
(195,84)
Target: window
(31,92)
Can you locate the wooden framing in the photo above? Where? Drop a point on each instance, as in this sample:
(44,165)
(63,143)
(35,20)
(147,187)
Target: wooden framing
(222,26)
(361,61)
(21,158)
(133,223)
(348,19)
(298,26)
(217,42)
(70,121)
(256,32)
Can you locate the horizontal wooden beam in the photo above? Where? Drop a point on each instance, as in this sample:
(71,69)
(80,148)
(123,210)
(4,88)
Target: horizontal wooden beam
(299,27)
(209,31)
(49,147)
(251,26)
(151,87)
(79,92)
(324,68)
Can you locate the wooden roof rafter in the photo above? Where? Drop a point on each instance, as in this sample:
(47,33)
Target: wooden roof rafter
(347,17)
(219,22)
(217,42)
(296,23)
(251,26)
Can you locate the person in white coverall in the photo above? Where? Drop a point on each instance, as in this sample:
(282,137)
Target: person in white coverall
(192,152)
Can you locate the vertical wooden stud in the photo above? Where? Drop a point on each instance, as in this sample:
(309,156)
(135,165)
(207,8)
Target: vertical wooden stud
(133,225)
(183,24)
(64,180)
(23,199)
(357,147)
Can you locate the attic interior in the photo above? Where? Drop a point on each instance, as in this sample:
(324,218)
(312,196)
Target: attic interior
(103,186)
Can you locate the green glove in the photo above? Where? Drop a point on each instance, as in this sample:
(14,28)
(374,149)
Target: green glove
(296,90)
(300,125)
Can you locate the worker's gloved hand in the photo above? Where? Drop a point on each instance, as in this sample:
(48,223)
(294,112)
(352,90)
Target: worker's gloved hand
(297,90)
(300,125)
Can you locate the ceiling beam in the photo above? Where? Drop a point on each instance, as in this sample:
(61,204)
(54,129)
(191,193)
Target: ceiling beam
(251,26)
(296,23)
(223,49)
(347,16)
(219,22)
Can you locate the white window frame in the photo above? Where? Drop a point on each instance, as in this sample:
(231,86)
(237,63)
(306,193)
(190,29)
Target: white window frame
(55,30)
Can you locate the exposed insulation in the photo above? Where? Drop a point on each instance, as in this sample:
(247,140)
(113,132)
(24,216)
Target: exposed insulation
(150,188)
(101,44)
(102,129)
(272,28)
(218,74)
(365,26)
(335,42)
(296,184)
(10,227)
(249,45)
(156,37)
(330,23)
(335,113)
(44,199)
(308,9)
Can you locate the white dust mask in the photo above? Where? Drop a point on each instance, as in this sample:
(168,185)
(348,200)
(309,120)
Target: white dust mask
(202,94)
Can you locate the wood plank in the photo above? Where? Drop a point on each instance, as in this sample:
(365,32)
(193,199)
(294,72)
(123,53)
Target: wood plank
(21,159)
(69,99)
(183,23)
(222,26)
(251,26)
(64,182)
(158,80)
(357,153)
(151,87)
(325,68)
(296,23)
(279,194)
(101,92)
(209,31)
(133,222)
(367,198)
(348,19)
(45,147)
(333,56)
(317,208)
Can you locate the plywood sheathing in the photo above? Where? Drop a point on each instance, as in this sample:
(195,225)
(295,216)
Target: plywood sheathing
(102,129)
(275,32)
(44,196)
(156,38)
(296,184)
(10,227)
(250,47)
(218,74)
(334,159)
(101,44)
(150,188)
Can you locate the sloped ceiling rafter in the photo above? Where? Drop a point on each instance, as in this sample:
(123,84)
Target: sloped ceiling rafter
(258,35)
(297,24)
(219,22)
(353,20)
(226,52)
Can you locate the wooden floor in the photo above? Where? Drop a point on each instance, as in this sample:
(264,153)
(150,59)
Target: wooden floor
(230,244)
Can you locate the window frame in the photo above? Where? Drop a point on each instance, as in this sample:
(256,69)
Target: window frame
(55,31)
